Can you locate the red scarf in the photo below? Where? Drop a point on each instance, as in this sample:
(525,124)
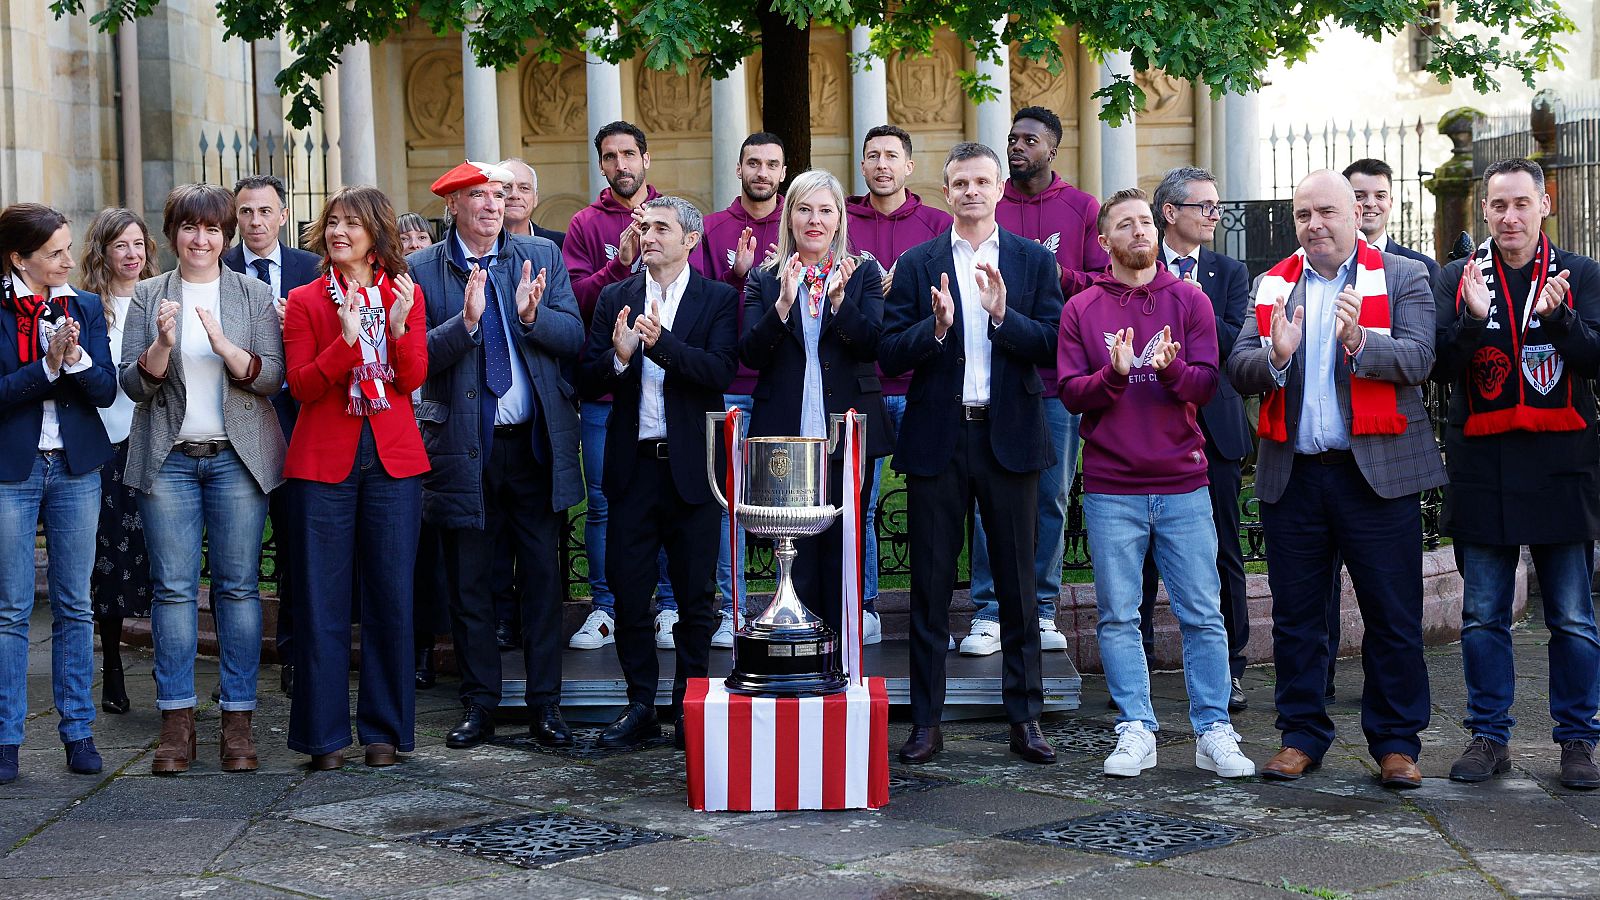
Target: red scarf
(367,392)
(31,311)
(1374,407)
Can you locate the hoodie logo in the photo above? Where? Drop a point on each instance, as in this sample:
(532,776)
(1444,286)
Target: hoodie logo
(1145,358)
(732,256)
(611,252)
(1052,243)
(867,255)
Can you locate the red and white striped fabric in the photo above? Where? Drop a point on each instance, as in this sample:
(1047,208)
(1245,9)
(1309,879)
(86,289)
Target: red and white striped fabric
(850,594)
(766,753)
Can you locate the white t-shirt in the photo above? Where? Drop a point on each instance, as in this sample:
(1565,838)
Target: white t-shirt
(204,377)
(118,417)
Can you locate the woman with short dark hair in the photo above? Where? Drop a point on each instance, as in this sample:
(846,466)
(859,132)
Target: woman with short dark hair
(55,371)
(201,354)
(357,346)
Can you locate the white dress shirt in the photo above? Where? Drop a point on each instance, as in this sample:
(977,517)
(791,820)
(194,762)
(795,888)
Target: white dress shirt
(974,318)
(274,269)
(1322,423)
(50,426)
(652,378)
(118,417)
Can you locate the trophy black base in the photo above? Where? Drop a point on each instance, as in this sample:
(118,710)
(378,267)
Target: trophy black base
(787,663)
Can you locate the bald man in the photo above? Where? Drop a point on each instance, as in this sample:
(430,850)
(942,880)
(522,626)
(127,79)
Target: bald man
(1340,340)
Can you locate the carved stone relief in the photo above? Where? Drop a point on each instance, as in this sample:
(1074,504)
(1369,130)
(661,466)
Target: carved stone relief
(829,87)
(555,99)
(433,95)
(923,90)
(673,103)
(1033,85)
(1165,97)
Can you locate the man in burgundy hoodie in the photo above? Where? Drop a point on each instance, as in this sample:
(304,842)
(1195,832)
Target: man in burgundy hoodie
(885,222)
(602,247)
(1039,206)
(1137,357)
(736,239)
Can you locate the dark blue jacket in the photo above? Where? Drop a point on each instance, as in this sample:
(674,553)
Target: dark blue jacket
(450,411)
(1401,250)
(1023,343)
(1226,282)
(24,388)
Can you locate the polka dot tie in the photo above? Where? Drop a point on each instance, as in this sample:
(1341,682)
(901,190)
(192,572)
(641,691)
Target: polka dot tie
(496,355)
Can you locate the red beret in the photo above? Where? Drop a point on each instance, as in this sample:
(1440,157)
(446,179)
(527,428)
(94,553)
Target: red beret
(468,174)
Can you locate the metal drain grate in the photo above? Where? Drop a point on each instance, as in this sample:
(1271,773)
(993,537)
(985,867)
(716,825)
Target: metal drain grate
(584,745)
(542,839)
(900,783)
(1083,736)
(1142,836)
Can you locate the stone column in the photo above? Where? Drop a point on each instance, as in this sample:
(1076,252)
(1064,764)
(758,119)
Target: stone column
(604,84)
(333,162)
(1202,125)
(1220,151)
(480,105)
(1088,124)
(1119,145)
(994,116)
(132,135)
(1244,146)
(358,156)
(508,87)
(869,99)
(730,124)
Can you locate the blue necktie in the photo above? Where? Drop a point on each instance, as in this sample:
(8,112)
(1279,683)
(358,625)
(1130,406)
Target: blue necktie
(263,269)
(1185,266)
(496,355)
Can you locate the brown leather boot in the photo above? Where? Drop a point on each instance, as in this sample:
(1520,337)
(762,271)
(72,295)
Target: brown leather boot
(176,749)
(238,746)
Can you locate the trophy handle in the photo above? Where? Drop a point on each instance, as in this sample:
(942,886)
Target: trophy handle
(713,423)
(835,435)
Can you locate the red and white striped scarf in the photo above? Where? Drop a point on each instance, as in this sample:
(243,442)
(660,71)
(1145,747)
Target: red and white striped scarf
(367,392)
(1374,407)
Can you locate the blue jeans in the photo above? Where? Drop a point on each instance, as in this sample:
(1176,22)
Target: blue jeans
(1488,572)
(1121,527)
(218,497)
(896,404)
(70,507)
(725,554)
(1055,483)
(594,415)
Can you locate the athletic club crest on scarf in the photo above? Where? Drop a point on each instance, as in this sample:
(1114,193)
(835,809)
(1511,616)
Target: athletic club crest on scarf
(1516,379)
(367,392)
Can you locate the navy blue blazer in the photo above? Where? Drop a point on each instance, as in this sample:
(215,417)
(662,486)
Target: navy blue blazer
(24,388)
(550,234)
(1226,282)
(698,355)
(299,268)
(1025,341)
(1402,250)
(847,348)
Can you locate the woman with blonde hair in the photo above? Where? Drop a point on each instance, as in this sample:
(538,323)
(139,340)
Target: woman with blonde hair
(119,255)
(812,317)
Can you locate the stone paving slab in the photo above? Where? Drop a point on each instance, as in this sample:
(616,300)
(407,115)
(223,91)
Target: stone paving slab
(987,867)
(1460,884)
(1135,882)
(379,868)
(985,810)
(210,887)
(683,868)
(1313,863)
(233,796)
(126,847)
(42,774)
(1265,806)
(20,818)
(837,837)
(1544,874)
(271,838)
(402,814)
(525,886)
(841,885)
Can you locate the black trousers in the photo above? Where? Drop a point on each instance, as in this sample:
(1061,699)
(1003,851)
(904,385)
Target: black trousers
(937,507)
(283,507)
(1225,482)
(430,603)
(1328,511)
(516,500)
(819,559)
(644,517)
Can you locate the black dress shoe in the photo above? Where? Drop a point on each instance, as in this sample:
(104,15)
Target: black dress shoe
(425,674)
(924,742)
(1028,742)
(505,636)
(1237,701)
(548,728)
(679,739)
(636,725)
(286,679)
(114,693)
(476,726)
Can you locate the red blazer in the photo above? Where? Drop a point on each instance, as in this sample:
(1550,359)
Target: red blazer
(323,447)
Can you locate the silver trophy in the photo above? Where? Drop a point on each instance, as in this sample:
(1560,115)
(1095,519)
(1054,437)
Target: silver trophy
(787,650)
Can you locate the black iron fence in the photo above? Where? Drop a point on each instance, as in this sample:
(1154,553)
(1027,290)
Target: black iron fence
(300,158)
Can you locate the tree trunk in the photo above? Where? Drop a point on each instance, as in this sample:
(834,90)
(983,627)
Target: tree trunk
(786,85)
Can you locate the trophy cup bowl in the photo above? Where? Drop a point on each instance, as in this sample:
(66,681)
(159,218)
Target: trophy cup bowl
(787,650)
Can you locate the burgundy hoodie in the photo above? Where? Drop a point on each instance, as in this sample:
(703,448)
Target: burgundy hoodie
(1140,434)
(1062,218)
(715,260)
(885,237)
(590,250)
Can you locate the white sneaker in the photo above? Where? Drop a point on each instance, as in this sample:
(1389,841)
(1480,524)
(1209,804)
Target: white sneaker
(1218,751)
(665,619)
(1050,637)
(597,631)
(723,636)
(984,639)
(871,629)
(1136,751)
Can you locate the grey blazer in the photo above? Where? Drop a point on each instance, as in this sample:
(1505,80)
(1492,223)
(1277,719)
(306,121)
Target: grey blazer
(249,320)
(1394,465)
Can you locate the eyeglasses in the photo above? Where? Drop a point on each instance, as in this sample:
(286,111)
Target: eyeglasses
(1207,209)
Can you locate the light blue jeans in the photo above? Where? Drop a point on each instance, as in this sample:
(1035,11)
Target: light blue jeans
(1121,527)
(218,498)
(896,404)
(725,569)
(70,507)
(1055,483)
(594,415)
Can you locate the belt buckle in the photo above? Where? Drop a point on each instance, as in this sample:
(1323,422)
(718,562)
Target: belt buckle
(660,450)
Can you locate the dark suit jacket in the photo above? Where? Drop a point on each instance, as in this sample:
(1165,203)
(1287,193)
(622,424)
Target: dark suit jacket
(1399,249)
(1025,341)
(847,347)
(78,396)
(549,234)
(698,354)
(1226,282)
(299,268)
